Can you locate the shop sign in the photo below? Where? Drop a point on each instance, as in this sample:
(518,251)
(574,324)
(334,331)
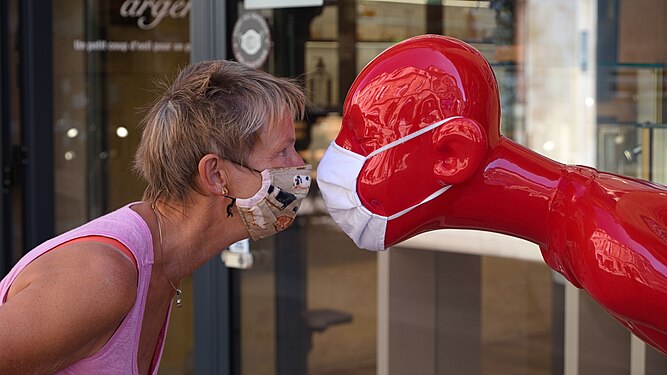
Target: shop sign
(270,4)
(251,40)
(154,46)
(149,13)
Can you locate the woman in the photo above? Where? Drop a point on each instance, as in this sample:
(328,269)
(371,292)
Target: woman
(218,156)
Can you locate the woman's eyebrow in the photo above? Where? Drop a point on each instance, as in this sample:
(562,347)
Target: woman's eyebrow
(287,142)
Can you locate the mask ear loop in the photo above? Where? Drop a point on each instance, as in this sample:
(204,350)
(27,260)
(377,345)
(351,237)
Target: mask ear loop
(224,192)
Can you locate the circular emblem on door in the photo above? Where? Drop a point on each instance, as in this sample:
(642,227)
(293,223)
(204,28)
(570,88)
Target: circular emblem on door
(251,40)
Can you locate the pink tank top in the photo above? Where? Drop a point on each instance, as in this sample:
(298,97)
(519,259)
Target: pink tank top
(119,355)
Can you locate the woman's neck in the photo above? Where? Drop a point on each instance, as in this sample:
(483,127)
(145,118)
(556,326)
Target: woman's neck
(191,234)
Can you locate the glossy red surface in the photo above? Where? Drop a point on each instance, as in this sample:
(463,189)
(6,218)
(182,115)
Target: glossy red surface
(413,84)
(608,235)
(605,233)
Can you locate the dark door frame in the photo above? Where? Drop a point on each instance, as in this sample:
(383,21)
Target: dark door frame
(5,143)
(37,121)
(208,34)
(32,167)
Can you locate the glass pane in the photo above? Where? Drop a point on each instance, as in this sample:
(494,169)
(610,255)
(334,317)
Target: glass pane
(70,100)
(342,290)
(630,130)
(440,311)
(107,58)
(463,313)
(257,312)
(380,21)
(631,90)
(516,317)
(308,303)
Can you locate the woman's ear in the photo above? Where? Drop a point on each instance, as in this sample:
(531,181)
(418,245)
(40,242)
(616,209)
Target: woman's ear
(461,145)
(212,178)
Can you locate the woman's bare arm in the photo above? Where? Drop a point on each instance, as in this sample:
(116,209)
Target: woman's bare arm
(64,307)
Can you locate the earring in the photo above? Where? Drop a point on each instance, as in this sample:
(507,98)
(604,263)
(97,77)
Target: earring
(224,191)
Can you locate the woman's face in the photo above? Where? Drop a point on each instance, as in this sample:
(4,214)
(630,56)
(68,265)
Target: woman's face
(275,147)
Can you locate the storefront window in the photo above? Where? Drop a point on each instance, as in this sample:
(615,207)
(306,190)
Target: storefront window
(443,306)
(581,82)
(108,57)
(308,304)
(631,91)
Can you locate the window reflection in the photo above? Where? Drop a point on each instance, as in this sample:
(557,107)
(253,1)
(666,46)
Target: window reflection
(496,315)
(105,67)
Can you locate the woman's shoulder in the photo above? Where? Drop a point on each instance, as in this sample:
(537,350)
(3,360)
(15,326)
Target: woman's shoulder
(83,267)
(79,295)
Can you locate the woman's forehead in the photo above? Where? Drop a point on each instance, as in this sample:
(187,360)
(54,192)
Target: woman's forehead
(279,132)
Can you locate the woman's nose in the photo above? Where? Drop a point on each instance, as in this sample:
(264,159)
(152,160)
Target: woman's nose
(295,159)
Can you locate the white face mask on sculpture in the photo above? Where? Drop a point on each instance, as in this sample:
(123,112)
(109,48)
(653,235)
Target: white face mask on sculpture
(337,176)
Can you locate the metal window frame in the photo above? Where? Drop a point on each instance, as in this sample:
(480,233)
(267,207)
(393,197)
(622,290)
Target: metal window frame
(36,113)
(36,83)
(208,35)
(5,143)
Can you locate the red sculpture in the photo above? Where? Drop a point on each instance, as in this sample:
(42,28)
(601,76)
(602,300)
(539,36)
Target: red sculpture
(420,149)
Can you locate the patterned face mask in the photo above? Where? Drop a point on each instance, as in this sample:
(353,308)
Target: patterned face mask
(274,207)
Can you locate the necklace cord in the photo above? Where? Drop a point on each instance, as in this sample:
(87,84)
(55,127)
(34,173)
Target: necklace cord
(164,269)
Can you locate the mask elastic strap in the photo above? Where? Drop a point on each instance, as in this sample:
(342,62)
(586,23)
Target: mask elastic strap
(229,207)
(430,197)
(233,202)
(410,136)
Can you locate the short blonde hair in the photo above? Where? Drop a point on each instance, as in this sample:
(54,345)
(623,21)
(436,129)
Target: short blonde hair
(211,107)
